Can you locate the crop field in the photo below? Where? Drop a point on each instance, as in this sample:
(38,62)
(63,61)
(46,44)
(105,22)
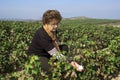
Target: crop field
(94,43)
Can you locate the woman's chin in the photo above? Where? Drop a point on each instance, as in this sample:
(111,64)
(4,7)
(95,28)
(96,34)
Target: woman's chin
(54,30)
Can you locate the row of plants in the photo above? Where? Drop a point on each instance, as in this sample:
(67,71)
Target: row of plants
(94,46)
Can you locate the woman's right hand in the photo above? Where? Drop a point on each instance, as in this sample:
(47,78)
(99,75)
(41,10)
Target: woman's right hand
(78,67)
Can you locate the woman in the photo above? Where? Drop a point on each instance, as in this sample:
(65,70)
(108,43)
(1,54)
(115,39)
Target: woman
(44,42)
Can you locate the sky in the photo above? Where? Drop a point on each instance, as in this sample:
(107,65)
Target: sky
(34,9)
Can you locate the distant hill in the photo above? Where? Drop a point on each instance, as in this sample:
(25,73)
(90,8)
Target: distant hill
(78,18)
(86,20)
(16,19)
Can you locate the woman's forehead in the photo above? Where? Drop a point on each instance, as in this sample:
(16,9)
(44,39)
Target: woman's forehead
(54,21)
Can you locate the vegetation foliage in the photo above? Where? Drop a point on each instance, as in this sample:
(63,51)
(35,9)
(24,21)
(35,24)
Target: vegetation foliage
(94,46)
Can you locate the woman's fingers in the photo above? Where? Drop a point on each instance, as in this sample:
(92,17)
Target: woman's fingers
(78,67)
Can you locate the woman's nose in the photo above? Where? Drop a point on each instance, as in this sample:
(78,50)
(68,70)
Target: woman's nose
(56,26)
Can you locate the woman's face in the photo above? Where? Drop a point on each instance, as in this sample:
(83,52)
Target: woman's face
(53,25)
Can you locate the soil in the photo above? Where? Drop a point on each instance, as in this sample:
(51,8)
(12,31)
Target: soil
(116,78)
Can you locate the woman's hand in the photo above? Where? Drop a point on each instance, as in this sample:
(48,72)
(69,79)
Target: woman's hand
(78,67)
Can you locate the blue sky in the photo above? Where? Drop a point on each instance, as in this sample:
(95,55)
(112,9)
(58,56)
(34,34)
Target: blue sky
(34,9)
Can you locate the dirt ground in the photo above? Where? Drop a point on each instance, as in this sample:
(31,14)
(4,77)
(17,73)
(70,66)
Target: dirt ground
(112,24)
(116,78)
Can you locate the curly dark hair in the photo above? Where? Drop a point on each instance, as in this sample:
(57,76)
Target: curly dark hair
(51,14)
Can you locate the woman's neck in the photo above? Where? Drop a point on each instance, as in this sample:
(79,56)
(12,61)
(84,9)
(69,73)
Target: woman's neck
(50,33)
